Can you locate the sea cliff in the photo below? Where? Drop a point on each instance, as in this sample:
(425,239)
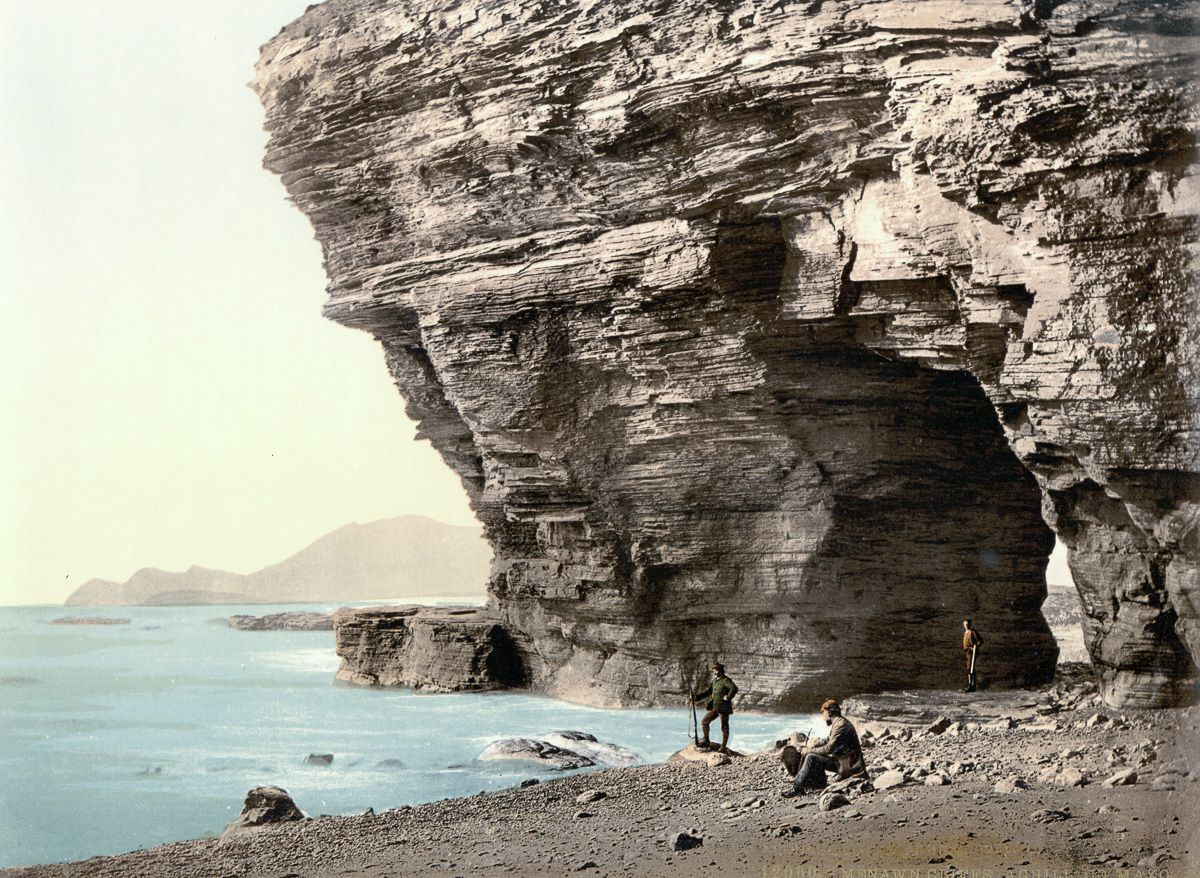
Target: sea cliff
(790,332)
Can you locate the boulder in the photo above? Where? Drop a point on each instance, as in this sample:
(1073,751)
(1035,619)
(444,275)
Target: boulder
(830,800)
(851,786)
(937,779)
(1070,777)
(1122,778)
(939,725)
(1010,784)
(589,796)
(318,759)
(264,806)
(533,750)
(889,779)
(686,840)
(692,753)
(600,752)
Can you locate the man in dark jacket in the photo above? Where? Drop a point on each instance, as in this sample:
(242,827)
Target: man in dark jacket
(720,704)
(839,752)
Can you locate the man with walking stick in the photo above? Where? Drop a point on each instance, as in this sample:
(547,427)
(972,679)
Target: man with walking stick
(720,704)
(970,646)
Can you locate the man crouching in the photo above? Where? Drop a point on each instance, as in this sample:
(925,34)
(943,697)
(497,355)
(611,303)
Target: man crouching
(839,752)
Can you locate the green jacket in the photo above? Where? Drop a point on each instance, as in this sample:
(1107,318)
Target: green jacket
(721,694)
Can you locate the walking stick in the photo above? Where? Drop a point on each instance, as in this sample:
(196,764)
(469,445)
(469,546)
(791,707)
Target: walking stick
(695,724)
(971,669)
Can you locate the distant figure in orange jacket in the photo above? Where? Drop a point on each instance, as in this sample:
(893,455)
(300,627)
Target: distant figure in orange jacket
(970,647)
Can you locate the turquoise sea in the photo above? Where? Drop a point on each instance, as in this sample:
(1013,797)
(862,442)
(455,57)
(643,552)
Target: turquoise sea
(118,737)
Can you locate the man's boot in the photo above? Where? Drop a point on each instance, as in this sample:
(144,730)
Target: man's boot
(725,743)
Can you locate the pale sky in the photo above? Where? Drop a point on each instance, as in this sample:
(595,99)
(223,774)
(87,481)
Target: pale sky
(171,394)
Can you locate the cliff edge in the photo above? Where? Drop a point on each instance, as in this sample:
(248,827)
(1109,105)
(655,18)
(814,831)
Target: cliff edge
(784,331)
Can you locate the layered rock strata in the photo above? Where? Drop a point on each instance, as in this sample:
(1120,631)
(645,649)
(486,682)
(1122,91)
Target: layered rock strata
(775,330)
(439,649)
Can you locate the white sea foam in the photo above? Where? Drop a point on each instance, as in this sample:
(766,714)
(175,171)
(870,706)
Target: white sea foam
(320,660)
(600,752)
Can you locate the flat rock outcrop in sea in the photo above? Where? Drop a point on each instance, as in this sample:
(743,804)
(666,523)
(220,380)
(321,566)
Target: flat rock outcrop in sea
(441,649)
(291,621)
(784,331)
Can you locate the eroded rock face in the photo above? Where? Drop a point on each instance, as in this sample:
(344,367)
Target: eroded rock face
(440,649)
(764,329)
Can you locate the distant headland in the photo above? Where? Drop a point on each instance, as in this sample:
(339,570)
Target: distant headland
(395,557)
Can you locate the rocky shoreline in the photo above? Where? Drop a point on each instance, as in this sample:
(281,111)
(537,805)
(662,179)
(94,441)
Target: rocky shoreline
(1012,782)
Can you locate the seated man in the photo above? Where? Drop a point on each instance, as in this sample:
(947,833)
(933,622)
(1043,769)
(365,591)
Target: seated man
(839,752)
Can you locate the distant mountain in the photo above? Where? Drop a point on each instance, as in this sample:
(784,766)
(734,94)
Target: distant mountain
(409,555)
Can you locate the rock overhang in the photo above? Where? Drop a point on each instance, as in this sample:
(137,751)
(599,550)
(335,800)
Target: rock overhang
(631,268)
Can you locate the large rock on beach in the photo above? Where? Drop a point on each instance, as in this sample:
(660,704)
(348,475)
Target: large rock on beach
(709,758)
(890,779)
(264,806)
(600,752)
(790,331)
(532,750)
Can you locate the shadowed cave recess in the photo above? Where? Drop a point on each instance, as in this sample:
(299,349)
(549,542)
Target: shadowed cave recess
(788,333)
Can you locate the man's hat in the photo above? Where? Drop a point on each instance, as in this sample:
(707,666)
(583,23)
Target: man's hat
(832,706)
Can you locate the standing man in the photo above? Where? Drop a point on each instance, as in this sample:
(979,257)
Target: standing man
(970,647)
(720,703)
(840,752)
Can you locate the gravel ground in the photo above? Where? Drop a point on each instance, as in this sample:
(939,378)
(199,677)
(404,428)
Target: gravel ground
(1005,808)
